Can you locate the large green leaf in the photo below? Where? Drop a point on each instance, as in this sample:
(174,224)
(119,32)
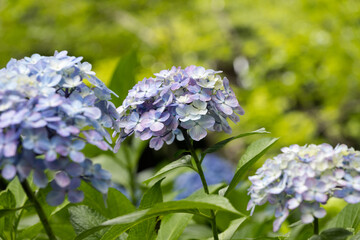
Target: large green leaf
(197,203)
(222,143)
(349,217)
(335,234)
(173,225)
(184,161)
(147,229)
(251,155)
(123,78)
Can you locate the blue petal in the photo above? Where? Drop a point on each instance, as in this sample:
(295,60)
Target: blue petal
(55,198)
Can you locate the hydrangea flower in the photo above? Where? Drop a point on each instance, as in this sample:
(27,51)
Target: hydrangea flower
(216,170)
(50,107)
(304,177)
(194,99)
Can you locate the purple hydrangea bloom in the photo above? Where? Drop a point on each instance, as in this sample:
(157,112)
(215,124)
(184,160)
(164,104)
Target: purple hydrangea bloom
(193,99)
(304,177)
(50,107)
(216,170)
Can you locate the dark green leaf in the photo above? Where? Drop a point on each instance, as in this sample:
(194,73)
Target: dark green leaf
(335,234)
(251,155)
(222,143)
(123,78)
(197,203)
(184,161)
(147,229)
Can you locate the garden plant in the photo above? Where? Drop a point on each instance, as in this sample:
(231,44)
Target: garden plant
(54,110)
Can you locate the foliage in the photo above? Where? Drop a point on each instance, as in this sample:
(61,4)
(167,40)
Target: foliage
(292,64)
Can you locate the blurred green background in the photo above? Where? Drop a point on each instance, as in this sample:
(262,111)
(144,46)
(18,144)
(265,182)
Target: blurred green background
(295,64)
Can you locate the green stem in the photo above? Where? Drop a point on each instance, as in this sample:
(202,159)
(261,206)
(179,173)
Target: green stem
(203,180)
(316,226)
(45,222)
(132,176)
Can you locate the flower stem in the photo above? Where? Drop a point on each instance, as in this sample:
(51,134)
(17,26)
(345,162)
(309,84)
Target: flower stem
(203,180)
(316,226)
(45,222)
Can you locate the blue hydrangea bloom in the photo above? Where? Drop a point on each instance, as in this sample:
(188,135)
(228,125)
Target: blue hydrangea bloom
(216,170)
(50,107)
(194,99)
(304,177)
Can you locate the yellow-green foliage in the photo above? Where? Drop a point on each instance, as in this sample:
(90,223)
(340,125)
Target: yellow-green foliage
(297,62)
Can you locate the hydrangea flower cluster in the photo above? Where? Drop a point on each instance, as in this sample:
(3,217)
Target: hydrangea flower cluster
(194,99)
(304,177)
(216,170)
(50,107)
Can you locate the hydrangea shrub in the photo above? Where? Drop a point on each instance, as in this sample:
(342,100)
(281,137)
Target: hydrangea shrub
(305,177)
(195,99)
(50,107)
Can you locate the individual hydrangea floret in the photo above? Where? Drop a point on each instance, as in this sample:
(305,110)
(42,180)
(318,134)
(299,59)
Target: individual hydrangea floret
(50,108)
(305,177)
(194,99)
(216,170)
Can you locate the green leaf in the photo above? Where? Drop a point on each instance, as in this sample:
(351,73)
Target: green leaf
(251,155)
(8,211)
(152,196)
(115,198)
(30,232)
(83,218)
(230,231)
(147,229)
(335,234)
(349,217)
(113,233)
(7,199)
(356,237)
(222,143)
(173,225)
(184,161)
(197,203)
(19,194)
(123,78)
